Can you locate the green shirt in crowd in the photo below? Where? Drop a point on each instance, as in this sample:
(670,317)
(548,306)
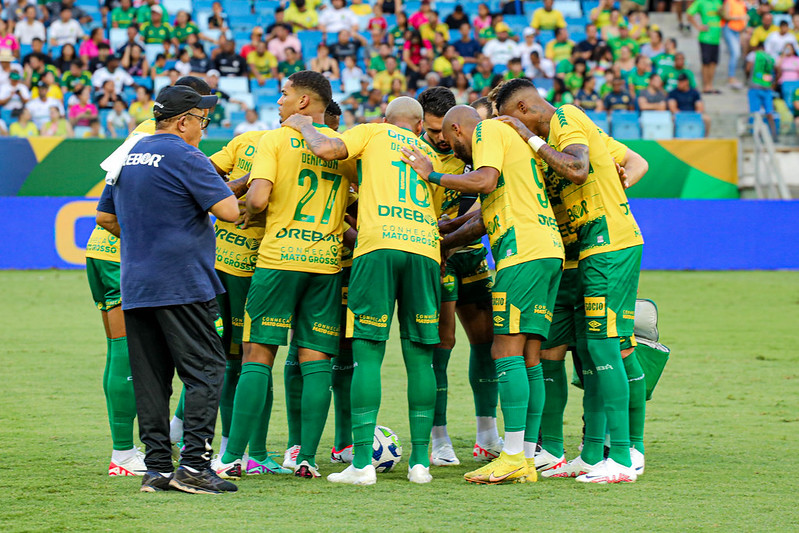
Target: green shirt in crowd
(709,12)
(69,80)
(124,18)
(156,34)
(762,70)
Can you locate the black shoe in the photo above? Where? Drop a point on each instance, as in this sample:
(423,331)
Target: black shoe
(155,482)
(204,481)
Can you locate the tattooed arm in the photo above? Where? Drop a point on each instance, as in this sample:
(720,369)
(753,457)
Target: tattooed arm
(471,230)
(239,186)
(321,145)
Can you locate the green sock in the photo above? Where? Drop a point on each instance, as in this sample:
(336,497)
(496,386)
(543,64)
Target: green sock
(248,406)
(122,401)
(181,401)
(365,397)
(483,379)
(593,410)
(292,381)
(615,391)
(342,384)
(421,398)
(105,381)
(535,403)
(557,392)
(635,377)
(440,362)
(232,372)
(261,426)
(514,392)
(316,385)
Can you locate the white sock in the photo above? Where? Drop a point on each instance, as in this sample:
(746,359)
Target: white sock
(222,446)
(120,456)
(175,430)
(440,436)
(514,442)
(529,449)
(487,430)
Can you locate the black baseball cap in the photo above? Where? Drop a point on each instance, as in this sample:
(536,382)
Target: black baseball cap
(175,100)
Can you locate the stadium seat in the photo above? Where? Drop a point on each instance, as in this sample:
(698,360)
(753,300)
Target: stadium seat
(218,132)
(656,125)
(25,49)
(237,8)
(544,36)
(144,81)
(270,87)
(202,4)
(624,125)
(151,51)
(309,41)
(248,98)
(544,84)
(269,114)
(5,115)
(517,22)
(500,69)
(411,7)
(237,116)
(335,85)
(234,84)
(159,83)
(788,87)
(173,6)
(117,37)
(53,51)
(569,8)
(530,7)
(468,68)
(600,118)
(689,125)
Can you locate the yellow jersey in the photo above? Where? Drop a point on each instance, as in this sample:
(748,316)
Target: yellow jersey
(396,208)
(237,249)
(518,218)
(103,245)
(305,214)
(547,20)
(595,215)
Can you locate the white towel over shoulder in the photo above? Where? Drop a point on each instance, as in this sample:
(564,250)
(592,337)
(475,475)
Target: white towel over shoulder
(113,163)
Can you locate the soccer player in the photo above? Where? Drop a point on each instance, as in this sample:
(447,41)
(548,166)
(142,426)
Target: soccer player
(524,238)
(584,177)
(297,280)
(396,258)
(465,289)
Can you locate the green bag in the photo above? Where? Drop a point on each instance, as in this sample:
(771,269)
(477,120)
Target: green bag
(653,357)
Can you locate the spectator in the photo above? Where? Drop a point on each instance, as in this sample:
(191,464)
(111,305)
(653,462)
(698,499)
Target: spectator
(159,66)
(734,23)
(397,90)
(95,130)
(787,65)
(433,26)
(111,71)
(262,64)
(708,24)
(133,39)
(624,39)
(105,97)
(8,42)
(528,45)
(49,86)
(514,71)
(37,50)
(65,30)
(443,64)
(184,27)
(347,45)
(600,15)
(361,8)
(66,58)
(351,74)
(665,60)
(218,18)
(200,62)
(83,110)
(418,78)
(256,36)
(89,47)
(483,75)
(587,97)
(560,47)
(587,46)
(638,79)
(282,40)
(618,99)
(78,13)
(761,81)
(500,49)
(229,63)
(292,64)
(384,79)
(457,18)
(760,33)
(396,35)
(103,54)
(134,61)
(670,75)
(28,29)
(40,107)
(118,120)
(356,99)
(377,20)
(378,62)
(655,45)
(462,89)
(558,95)
(324,64)
(337,18)
(183,63)
(300,16)
(611,30)
(23,127)
(123,15)
(156,30)
(76,77)
(467,47)
(574,79)
(547,18)
(653,97)
(625,63)
(686,98)
(57,126)
(145,12)
(349,119)
(3,128)
(778,40)
(372,109)
(7,66)
(217,114)
(14,94)
(540,67)
(420,17)
(482,20)
(36,69)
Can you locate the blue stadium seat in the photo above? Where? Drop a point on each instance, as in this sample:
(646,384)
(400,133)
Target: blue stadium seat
(144,81)
(53,51)
(624,125)
(577,36)
(5,115)
(588,5)
(151,51)
(544,36)
(241,22)
(117,37)
(25,49)
(86,3)
(530,7)
(569,8)
(411,7)
(500,69)
(234,84)
(202,5)
(237,8)
(173,6)
(270,87)
(237,116)
(689,125)
(577,21)
(266,4)
(517,22)
(218,132)
(600,118)
(657,125)
(335,85)
(159,83)
(269,114)
(309,41)
(544,84)
(788,88)
(468,68)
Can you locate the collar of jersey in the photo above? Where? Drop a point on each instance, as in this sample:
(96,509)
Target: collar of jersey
(320,125)
(431,145)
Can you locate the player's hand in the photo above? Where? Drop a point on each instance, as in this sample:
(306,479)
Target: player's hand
(243,221)
(625,182)
(517,125)
(418,161)
(296,122)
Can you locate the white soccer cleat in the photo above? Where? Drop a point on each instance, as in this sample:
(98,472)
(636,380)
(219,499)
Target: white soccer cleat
(290,457)
(226,470)
(486,454)
(444,455)
(638,461)
(304,469)
(355,476)
(575,467)
(546,461)
(609,471)
(343,455)
(132,466)
(419,474)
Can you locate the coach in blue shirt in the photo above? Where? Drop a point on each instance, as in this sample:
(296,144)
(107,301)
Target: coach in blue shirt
(159,205)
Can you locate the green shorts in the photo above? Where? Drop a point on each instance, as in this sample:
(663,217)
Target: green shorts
(382,277)
(231,307)
(608,288)
(104,283)
(524,296)
(467,279)
(280,300)
(562,330)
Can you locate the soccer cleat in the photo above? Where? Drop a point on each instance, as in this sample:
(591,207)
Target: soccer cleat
(355,476)
(638,461)
(532,474)
(155,482)
(546,461)
(226,470)
(504,469)
(187,479)
(489,453)
(269,466)
(575,467)
(609,471)
(444,455)
(290,457)
(132,466)
(304,469)
(419,474)
(343,455)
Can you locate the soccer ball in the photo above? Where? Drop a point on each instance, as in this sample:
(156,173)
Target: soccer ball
(386,449)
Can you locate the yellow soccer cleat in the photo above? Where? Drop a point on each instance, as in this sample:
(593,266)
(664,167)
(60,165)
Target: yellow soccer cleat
(504,469)
(532,473)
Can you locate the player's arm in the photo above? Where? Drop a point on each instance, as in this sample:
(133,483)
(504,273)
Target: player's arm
(227,209)
(239,185)
(258,196)
(572,163)
(635,167)
(483,180)
(449,226)
(473,229)
(109,222)
(349,238)
(328,148)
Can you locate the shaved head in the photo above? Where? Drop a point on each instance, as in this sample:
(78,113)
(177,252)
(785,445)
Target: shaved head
(405,112)
(458,127)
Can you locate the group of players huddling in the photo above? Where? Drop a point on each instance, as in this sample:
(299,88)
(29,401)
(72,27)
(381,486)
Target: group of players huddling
(336,228)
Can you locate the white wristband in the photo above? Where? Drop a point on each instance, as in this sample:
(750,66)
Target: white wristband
(536,143)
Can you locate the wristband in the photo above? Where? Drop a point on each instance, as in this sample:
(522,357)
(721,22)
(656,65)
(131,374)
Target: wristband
(536,143)
(435,177)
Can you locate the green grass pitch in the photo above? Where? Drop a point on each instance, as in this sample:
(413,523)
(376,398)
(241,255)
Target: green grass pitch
(720,438)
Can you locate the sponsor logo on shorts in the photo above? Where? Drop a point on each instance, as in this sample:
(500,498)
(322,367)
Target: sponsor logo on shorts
(594,306)
(344,294)
(627,314)
(499,301)
(427,319)
(594,325)
(237,322)
(326,329)
(588,372)
(276,322)
(604,367)
(498,320)
(367,320)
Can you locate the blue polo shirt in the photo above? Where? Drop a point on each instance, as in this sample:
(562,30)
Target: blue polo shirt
(686,101)
(161,201)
